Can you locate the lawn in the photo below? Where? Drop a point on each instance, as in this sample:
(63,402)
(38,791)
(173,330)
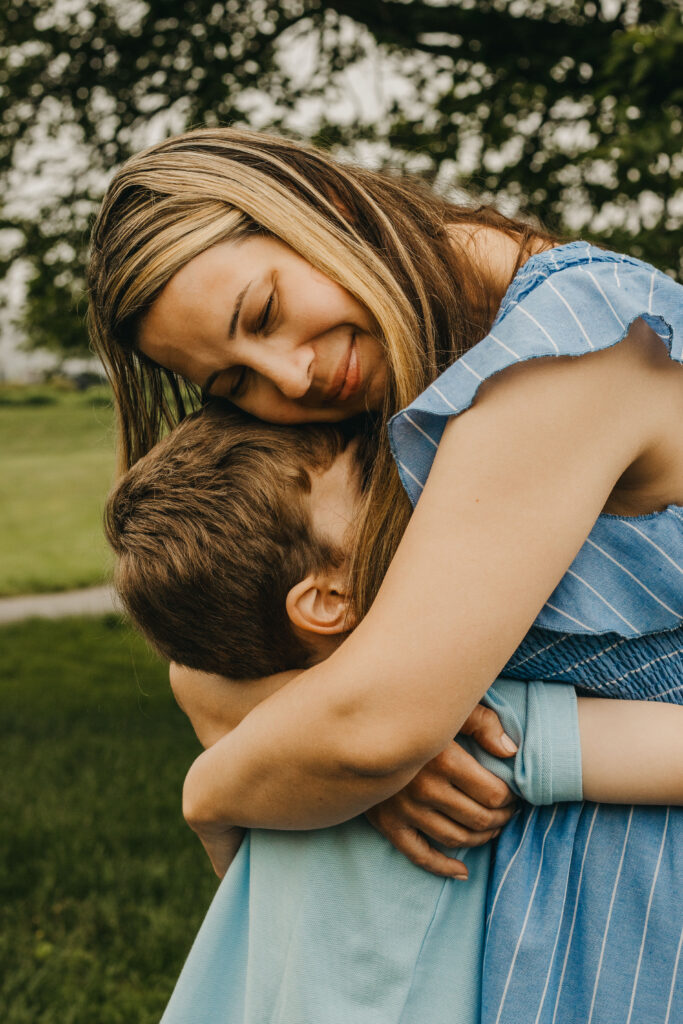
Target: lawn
(102,886)
(57,467)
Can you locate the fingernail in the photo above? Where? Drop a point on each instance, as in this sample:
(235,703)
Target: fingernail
(508,744)
(461,878)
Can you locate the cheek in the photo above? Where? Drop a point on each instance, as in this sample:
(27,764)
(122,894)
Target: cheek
(378,374)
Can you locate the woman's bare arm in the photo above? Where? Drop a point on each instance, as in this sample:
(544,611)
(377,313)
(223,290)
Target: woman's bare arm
(516,486)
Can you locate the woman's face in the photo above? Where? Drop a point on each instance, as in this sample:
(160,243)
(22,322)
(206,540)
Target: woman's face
(254,322)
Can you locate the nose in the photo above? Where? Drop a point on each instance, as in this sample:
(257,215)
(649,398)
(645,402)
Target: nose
(289,368)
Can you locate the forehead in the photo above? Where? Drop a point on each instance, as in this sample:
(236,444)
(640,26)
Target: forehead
(193,294)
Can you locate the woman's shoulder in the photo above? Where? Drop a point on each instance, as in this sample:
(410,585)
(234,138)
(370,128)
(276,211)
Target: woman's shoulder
(588,294)
(571,300)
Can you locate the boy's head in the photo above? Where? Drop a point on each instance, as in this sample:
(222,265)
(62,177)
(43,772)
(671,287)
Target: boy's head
(232,539)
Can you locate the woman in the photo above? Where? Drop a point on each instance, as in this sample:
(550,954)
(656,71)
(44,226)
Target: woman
(563,475)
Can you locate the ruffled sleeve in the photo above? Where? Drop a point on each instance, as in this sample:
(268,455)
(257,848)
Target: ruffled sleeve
(576,309)
(569,301)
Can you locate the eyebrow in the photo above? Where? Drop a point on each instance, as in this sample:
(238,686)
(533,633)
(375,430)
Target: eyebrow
(209,382)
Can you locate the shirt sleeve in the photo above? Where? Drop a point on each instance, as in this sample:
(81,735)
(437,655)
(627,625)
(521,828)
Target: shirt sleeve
(542,719)
(574,311)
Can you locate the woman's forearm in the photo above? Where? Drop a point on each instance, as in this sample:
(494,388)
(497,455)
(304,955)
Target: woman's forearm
(632,751)
(290,765)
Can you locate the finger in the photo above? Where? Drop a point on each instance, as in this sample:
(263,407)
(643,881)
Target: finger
(443,830)
(465,773)
(456,806)
(420,852)
(483,725)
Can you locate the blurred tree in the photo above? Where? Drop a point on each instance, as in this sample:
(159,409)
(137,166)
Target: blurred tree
(568,110)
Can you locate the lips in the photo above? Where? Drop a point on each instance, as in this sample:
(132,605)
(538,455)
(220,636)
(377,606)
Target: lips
(347,378)
(353,376)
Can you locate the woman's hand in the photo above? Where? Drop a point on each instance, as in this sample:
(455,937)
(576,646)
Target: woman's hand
(453,800)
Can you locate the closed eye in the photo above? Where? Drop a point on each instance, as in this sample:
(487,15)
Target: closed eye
(240,383)
(266,314)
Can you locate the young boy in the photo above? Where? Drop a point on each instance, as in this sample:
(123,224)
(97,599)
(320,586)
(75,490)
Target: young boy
(232,540)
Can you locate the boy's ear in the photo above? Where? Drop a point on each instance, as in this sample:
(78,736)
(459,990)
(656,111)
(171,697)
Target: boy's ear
(319,604)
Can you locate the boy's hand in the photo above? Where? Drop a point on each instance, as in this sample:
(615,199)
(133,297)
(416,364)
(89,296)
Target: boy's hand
(205,700)
(453,800)
(216,705)
(221,846)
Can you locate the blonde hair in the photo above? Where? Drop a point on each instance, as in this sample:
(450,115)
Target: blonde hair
(383,239)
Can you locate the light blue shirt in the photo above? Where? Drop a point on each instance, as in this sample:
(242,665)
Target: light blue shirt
(335,926)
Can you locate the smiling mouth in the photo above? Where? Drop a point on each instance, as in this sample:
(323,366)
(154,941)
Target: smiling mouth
(347,379)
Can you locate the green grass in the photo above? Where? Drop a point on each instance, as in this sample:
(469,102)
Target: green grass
(102,886)
(57,467)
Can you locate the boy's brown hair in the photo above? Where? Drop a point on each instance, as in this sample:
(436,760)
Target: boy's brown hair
(211,531)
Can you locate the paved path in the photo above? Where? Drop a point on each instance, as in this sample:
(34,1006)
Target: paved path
(91,601)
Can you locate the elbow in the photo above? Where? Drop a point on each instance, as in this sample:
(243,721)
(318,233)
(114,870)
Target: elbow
(201,809)
(382,750)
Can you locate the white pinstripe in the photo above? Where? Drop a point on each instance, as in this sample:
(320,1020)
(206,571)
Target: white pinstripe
(647,916)
(634,578)
(473,372)
(650,541)
(411,475)
(526,917)
(541,650)
(665,693)
(443,398)
(420,430)
(578,622)
(540,327)
(581,327)
(576,907)
(617,276)
(503,345)
(640,668)
(652,288)
(589,254)
(673,980)
(552,955)
(570,572)
(588,659)
(507,869)
(609,916)
(620,321)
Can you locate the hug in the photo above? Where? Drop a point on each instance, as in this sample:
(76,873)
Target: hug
(493,511)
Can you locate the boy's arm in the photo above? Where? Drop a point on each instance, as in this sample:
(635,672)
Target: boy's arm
(569,748)
(632,751)
(609,751)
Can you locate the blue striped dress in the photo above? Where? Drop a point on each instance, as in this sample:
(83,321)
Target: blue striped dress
(585,906)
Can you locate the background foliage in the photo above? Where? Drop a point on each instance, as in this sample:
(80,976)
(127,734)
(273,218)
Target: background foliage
(102,886)
(57,466)
(568,110)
